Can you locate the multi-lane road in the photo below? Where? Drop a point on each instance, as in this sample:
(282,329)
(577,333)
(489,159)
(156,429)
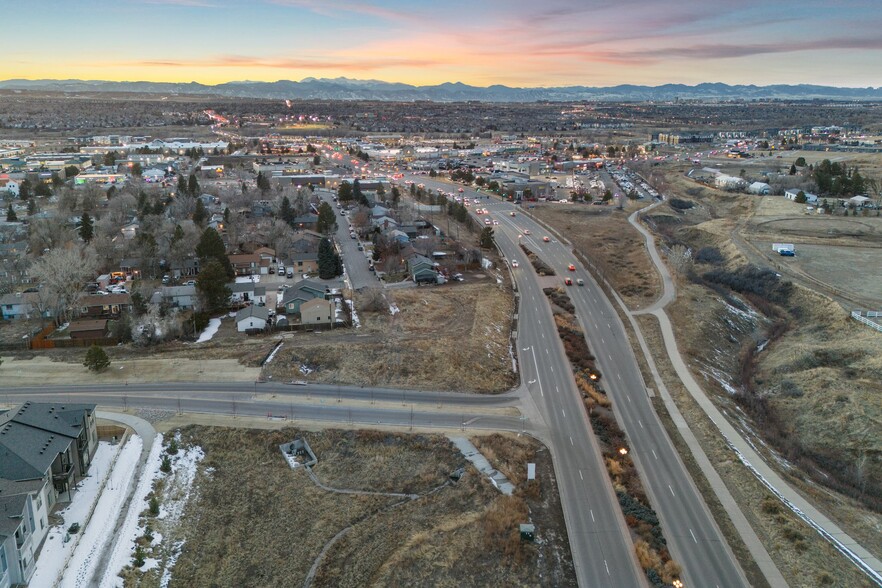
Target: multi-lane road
(694,538)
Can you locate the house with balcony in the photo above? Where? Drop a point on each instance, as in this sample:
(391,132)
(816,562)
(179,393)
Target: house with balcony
(45,449)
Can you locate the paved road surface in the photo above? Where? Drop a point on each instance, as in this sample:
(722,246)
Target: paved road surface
(355,261)
(692,534)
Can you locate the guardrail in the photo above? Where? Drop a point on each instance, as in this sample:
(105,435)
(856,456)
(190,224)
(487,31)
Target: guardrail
(858,316)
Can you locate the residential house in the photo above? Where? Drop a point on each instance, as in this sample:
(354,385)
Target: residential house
(726,182)
(131,267)
(183,297)
(252,318)
(760,188)
(88,329)
(249,264)
(15,306)
(304,291)
(793,194)
(18,526)
(303,263)
(306,221)
(51,442)
(247,292)
(186,267)
(384,222)
(422,269)
(13,187)
(305,241)
(109,306)
(317,311)
(265,253)
(130,230)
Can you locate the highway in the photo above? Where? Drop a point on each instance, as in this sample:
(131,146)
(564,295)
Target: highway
(693,537)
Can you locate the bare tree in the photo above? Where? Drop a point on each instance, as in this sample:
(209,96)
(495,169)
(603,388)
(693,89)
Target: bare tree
(63,273)
(50,233)
(680,258)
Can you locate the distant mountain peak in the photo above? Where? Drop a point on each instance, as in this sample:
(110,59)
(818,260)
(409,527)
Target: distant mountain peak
(343,88)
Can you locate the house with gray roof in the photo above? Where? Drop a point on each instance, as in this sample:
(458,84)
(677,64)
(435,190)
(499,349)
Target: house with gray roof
(252,318)
(45,449)
(304,291)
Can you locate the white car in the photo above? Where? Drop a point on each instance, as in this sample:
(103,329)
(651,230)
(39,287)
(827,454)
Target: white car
(514,263)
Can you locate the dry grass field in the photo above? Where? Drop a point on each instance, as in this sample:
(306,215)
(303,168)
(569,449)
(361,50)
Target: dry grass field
(257,522)
(452,337)
(604,235)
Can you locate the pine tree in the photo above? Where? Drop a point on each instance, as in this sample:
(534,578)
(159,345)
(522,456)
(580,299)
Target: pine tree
(86,229)
(211,285)
(211,247)
(200,215)
(263,183)
(193,186)
(286,213)
(182,186)
(326,218)
(11,217)
(344,192)
(96,359)
(327,265)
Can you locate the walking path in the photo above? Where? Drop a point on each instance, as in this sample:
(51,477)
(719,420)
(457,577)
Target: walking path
(845,544)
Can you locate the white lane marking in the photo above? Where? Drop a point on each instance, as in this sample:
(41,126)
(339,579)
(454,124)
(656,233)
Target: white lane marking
(639,422)
(609,356)
(580,476)
(672,492)
(552,368)
(564,413)
(654,454)
(693,536)
(629,399)
(571,442)
(543,335)
(602,341)
(538,379)
(607,568)
(592,516)
(609,326)
(619,376)
(556,389)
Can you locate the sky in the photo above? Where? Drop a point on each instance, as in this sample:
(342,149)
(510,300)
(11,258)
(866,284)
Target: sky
(526,43)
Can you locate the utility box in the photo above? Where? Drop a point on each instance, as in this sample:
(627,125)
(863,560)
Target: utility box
(528,532)
(531,471)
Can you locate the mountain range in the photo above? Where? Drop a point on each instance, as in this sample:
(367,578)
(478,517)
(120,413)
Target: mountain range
(350,89)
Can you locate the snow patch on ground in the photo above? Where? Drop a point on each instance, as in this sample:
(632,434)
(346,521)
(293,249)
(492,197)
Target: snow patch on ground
(177,492)
(124,547)
(55,551)
(393,309)
(210,331)
(82,558)
(356,322)
(273,354)
(248,280)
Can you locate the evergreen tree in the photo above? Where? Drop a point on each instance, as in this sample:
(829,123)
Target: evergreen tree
(793,170)
(182,186)
(193,186)
(200,215)
(344,192)
(286,213)
(11,217)
(136,170)
(396,196)
(211,248)
(327,264)
(24,189)
(316,160)
(326,218)
(211,285)
(263,183)
(357,194)
(96,359)
(227,215)
(487,238)
(32,206)
(86,228)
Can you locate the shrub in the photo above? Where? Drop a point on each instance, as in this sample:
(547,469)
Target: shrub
(139,557)
(172,447)
(96,359)
(680,204)
(154,506)
(750,279)
(165,467)
(709,255)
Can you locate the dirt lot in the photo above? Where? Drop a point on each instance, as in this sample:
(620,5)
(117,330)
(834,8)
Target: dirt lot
(257,522)
(604,235)
(451,337)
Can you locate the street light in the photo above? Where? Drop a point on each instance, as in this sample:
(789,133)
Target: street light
(623,451)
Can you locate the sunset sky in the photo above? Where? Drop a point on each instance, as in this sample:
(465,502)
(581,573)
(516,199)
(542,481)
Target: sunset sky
(512,42)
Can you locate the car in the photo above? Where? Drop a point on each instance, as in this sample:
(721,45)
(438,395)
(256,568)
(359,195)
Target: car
(457,277)
(572,267)
(580,282)
(526,231)
(546,239)
(360,248)
(190,283)
(271,270)
(512,213)
(290,273)
(568,281)
(166,280)
(787,253)
(514,263)
(495,222)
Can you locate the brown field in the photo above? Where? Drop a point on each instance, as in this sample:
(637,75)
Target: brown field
(257,522)
(816,376)
(604,235)
(453,337)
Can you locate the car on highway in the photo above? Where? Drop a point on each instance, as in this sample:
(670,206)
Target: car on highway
(580,282)
(512,213)
(546,239)
(487,221)
(526,231)
(572,267)
(568,281)
(514,263)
